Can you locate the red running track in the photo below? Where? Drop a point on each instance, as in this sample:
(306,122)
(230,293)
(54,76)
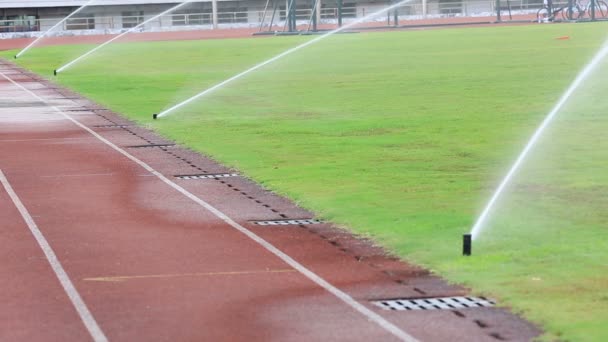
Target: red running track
(150,257)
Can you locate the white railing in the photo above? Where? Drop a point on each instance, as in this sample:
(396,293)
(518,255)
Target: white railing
(253,18)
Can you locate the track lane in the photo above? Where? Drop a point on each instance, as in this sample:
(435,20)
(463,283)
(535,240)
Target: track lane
(84,313)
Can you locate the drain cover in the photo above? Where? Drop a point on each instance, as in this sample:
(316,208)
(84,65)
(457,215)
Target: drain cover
(80,109)
(287,222)
(207,176)
(111,126)
(445,303)
(151,145)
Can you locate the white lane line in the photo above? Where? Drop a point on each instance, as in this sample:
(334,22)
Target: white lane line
(64,279)
(371,315)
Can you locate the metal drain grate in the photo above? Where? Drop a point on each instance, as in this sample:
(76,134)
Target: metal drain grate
(287,222)
(78,110)
(445,303)
(85,109)
(207,176)
(151,145)
(111,126)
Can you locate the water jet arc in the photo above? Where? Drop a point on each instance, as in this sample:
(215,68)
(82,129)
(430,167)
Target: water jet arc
(52,28)
(122,34)
(582,76)
(281,55)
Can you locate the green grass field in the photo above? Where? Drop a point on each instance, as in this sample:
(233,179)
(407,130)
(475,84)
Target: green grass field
(403,136)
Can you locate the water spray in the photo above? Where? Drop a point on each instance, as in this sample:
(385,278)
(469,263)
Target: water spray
(58,70)
(53,27)
(599,56)
(279,56)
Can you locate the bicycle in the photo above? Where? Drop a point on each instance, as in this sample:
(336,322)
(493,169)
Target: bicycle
(580,9)
(542,16)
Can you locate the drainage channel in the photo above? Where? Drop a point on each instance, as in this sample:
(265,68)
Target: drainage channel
(77,110)
(151,145)
(112,126)
(85,109)
(207,176)
(287,222)
(440,303)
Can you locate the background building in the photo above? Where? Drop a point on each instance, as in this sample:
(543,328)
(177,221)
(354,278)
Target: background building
(112,15)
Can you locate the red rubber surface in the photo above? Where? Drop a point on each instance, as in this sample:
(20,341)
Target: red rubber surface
(152,265)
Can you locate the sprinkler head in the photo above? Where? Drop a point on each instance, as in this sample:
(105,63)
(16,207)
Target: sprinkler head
(466,244)
(55,72)
(154,116)
(15,56)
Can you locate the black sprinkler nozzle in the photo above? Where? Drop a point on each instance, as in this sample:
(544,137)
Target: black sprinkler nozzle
(15,56)
(55,72)
(466,244)
(154,116)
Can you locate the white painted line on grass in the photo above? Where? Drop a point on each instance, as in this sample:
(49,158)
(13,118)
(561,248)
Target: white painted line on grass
(64,279)
(369,314)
